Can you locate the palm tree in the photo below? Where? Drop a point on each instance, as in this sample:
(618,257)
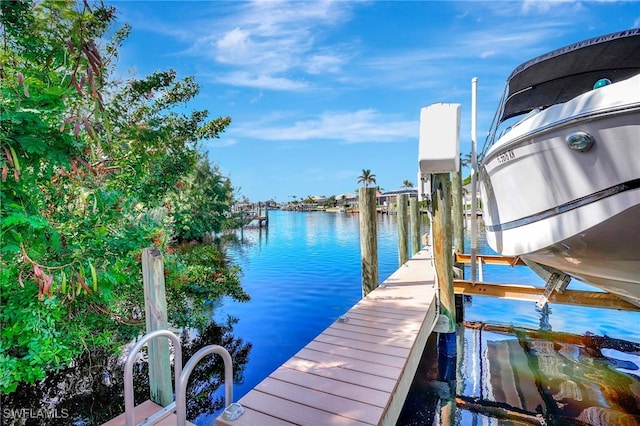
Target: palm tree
(407,184)
(366,178)
(465,160)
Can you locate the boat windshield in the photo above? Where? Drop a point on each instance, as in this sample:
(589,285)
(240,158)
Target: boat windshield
(565,73)
(561,75)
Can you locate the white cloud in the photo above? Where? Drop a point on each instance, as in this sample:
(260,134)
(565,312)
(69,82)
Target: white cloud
(256,99)
(273,44)
(542,6)
(260,81)
(324,63)
(220,143)
(234,41)
(365,125)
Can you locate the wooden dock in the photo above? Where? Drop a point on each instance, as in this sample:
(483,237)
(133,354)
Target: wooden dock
(359,370)
(142,412)
(260,221)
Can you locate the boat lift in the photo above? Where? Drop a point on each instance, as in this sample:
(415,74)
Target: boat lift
(179,406)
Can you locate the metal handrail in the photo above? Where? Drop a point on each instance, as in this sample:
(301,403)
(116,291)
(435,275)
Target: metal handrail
(181,383)
(128,370)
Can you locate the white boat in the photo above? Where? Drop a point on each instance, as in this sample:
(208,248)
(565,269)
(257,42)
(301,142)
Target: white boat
(560,187)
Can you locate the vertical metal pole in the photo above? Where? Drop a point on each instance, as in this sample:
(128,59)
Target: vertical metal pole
(474,170)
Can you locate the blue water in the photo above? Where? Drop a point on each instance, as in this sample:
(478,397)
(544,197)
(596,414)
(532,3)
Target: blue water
(303,272)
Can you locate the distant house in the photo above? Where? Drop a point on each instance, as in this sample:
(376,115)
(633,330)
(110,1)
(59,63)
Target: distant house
(343,199)
(390,197)
(466,198)
(242,206)
(320,200)
(271,204)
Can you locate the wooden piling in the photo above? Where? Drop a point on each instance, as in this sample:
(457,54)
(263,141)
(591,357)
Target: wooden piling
(368,239)
(441,228)
(414,220)
(156,319)
(403,229)
(457,214)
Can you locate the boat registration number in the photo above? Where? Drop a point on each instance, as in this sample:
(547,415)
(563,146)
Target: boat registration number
(508,155)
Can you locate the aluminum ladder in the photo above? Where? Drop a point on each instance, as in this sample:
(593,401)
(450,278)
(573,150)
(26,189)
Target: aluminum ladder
(179,406)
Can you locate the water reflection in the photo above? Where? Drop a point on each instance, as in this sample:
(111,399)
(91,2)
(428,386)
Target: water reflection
(207,379)
(510,375)
(91,391)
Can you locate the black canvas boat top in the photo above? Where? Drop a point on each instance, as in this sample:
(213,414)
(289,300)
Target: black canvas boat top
(565,73)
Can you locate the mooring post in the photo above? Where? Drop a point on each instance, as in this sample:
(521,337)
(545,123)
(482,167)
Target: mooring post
(442,249)
(368,239)
(155,305)
(403,229)
(457,215)
(414,220)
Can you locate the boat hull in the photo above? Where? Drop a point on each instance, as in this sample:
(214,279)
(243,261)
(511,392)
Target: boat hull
(574,211)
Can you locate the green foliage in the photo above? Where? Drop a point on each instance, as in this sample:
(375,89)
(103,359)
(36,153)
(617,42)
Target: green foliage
(196,275)
(87,184)
(201,203)
(366,178)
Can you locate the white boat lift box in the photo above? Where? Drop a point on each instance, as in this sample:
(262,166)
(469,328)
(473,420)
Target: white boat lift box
(439,145)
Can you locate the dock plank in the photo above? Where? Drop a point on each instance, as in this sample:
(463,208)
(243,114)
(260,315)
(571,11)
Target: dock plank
(389,323)
(289,411)
(253,417)
(143,411)
(383,303)
(335,404)
(359,370)
(342,362)
(382,339)
(373,347)
(372,357)
(385,311)
(363,379)
(363,322)
(339,388)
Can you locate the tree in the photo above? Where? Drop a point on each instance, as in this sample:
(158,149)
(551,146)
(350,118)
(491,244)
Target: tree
(466,160)
(87,182)
(366,178)
(407,184)
(200,202)
(57,217)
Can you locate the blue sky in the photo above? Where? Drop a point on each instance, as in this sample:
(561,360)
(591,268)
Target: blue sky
(319,90)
